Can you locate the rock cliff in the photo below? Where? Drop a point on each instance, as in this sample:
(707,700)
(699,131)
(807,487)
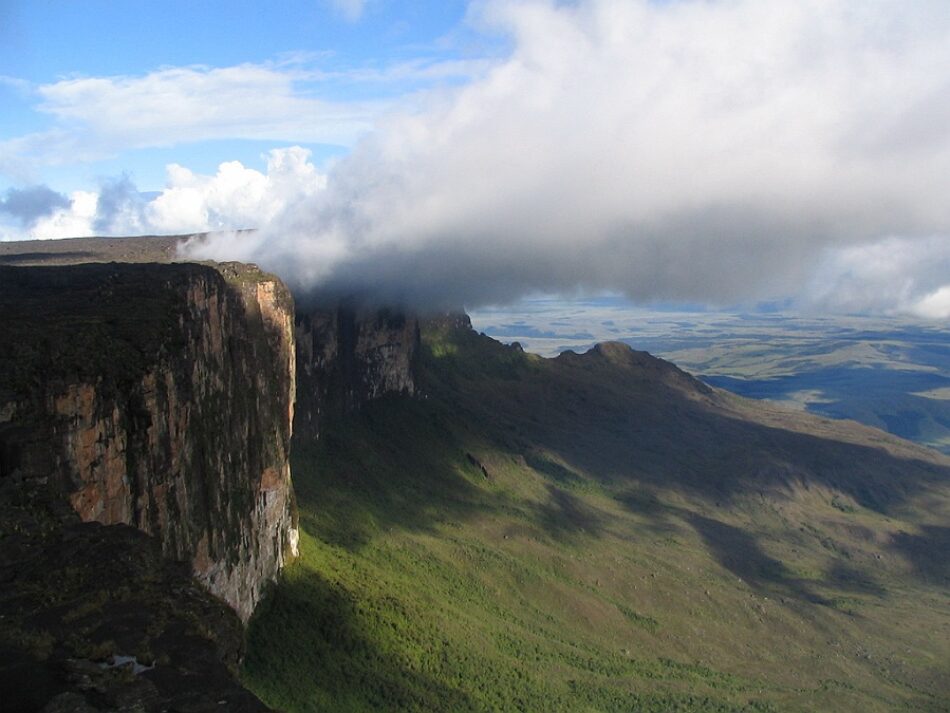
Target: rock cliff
(158,396)
(347,357)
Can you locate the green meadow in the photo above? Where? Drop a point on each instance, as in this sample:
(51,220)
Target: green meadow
(601,532)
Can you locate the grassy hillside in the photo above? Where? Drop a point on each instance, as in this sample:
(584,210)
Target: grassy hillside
(601,532)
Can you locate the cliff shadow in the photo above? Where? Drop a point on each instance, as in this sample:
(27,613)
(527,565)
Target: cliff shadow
(621,427)
(313,645)
(928,552)
(393,464)
(39,258)
(564,514)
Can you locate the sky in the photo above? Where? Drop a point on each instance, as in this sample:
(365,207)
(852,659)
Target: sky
(715,152)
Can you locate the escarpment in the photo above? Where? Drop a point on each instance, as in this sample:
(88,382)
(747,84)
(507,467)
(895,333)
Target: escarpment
(347,357)
(157,396)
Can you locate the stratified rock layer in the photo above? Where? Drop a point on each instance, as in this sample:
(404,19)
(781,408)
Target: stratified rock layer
(158,396)
(347,357)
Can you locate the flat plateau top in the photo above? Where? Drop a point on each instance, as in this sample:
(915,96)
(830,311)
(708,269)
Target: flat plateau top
(146,248)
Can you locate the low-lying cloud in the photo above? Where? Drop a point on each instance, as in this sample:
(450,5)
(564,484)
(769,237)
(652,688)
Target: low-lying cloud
(894,275)
(703,151)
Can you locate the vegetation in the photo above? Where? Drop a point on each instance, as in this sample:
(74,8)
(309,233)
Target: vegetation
(600,532)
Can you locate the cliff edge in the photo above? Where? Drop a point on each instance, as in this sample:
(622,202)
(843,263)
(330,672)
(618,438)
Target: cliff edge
(159,396)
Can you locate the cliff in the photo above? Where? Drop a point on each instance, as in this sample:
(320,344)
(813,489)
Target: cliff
(347,357)
(157,396)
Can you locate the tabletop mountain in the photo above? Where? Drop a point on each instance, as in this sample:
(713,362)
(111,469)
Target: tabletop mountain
(480,528)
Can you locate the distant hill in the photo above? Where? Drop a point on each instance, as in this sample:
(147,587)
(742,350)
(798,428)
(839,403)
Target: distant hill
(892,373)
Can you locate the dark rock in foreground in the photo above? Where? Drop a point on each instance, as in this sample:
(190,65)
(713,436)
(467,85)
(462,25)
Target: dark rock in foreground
(96,619)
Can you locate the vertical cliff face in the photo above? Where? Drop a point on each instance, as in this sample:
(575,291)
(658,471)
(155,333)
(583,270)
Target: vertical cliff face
(346,357)
(159,396)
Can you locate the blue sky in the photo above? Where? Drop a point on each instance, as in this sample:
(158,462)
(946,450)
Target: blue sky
(45,43)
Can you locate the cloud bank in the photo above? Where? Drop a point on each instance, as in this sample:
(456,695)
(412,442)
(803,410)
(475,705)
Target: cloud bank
(894,275)
(703,151)
(236,197)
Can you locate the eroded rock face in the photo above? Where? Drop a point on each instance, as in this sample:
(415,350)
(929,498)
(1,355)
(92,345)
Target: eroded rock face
(347,357)
(159,396)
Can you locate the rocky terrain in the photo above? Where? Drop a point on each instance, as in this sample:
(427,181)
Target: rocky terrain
(95,618)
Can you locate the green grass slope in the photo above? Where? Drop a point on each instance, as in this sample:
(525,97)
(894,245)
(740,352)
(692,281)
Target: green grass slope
(601,532)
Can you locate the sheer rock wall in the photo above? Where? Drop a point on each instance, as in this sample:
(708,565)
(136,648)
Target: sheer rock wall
(158,396)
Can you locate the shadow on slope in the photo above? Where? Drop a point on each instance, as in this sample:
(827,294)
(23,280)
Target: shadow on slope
(467,544)
(395,464)
(314,645)
(739,552)
(929,552)
(620,415)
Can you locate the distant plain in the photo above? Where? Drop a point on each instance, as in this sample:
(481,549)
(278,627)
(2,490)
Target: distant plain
(892,373)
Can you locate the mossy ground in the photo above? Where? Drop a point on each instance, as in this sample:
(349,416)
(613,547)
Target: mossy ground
(547,535)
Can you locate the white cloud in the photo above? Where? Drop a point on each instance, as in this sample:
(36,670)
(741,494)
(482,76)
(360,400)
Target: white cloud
(710,151)
(935,305)
(235,197)
(99,117)
(195,103)
(893,275)
(74,221)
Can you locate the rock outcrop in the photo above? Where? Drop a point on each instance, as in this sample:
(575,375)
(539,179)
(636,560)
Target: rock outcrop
(347,357)
(158,396)
(95,619)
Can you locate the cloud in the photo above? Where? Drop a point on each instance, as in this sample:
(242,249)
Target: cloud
(935,305)
(702,151)
(98,117)
(182,104)
(27,205)
(894,275)
(290,100)
(235,197)
(351,10)
(119,208)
